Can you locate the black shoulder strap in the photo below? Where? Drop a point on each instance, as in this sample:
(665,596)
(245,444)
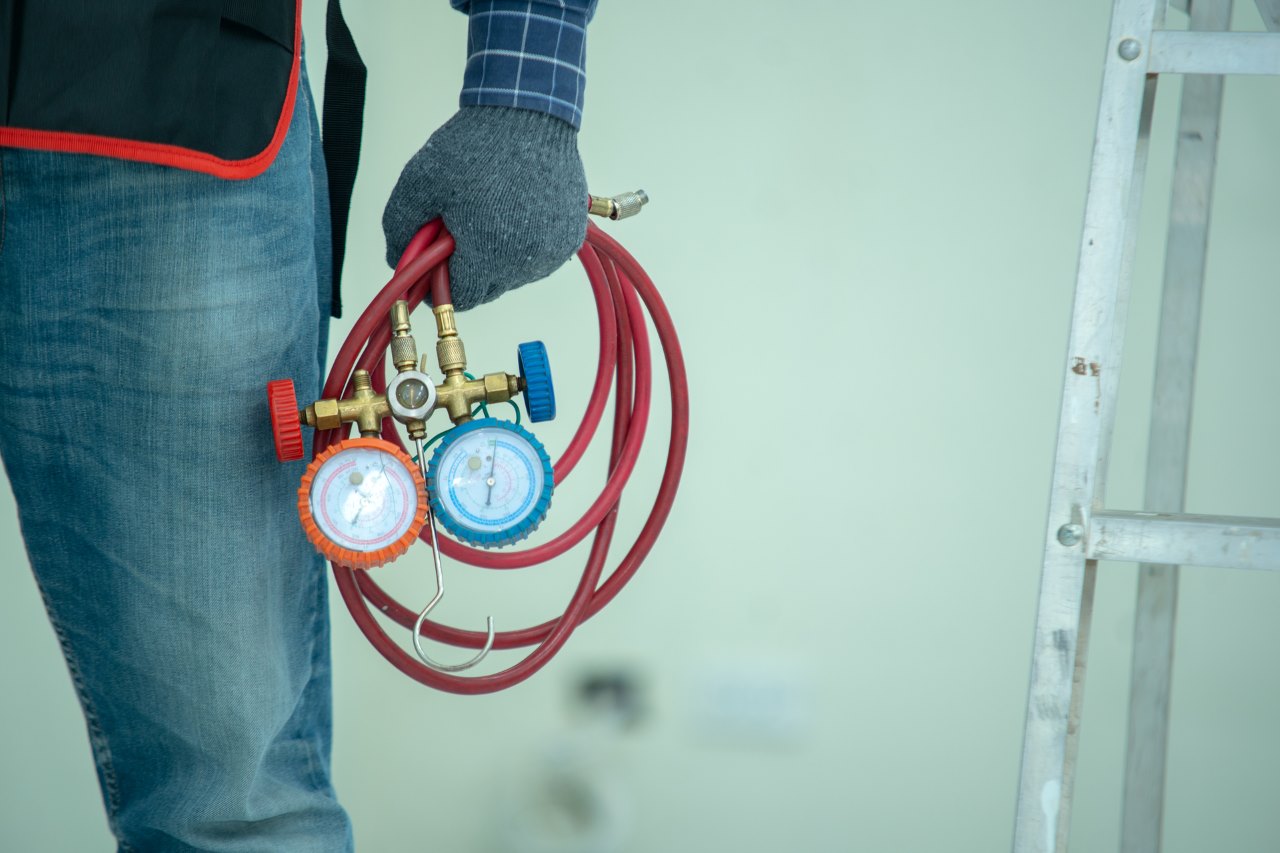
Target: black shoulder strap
(8,26)
(344,85)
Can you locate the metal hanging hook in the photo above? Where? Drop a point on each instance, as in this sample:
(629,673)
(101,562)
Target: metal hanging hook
(422,617)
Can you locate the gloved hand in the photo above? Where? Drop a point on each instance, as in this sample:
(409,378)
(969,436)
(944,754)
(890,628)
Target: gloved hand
(510,186)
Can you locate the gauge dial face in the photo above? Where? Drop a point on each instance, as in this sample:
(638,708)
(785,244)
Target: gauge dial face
(364,499)
(491,480)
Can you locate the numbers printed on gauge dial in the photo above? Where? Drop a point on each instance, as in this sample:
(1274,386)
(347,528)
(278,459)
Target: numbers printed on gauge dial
(362,502)
(364,499)
(490,482)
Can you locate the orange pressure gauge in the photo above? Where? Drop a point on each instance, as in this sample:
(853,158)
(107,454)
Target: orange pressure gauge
(362,502)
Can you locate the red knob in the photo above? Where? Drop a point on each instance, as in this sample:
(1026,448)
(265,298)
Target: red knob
(285,425)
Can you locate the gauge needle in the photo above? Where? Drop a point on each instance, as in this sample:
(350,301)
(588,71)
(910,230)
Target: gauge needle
(493,460)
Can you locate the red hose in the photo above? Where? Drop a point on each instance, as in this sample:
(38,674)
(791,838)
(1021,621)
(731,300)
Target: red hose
(623,292)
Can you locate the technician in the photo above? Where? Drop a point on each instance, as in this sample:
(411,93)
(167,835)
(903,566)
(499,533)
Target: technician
(164,249)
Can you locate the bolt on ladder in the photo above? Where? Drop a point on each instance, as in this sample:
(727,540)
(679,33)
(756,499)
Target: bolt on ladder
(1081,531)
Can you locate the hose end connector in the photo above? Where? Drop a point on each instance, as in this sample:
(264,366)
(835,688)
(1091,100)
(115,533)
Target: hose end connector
(619,206)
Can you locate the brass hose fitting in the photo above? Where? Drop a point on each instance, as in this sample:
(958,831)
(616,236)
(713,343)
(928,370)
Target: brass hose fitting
(364,407)
(449,349)
(404,351)
(457,394)
(618,206)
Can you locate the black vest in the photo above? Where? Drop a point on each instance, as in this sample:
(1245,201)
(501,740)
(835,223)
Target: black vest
(206,85)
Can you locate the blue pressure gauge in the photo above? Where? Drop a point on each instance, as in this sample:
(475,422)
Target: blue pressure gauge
(490,482)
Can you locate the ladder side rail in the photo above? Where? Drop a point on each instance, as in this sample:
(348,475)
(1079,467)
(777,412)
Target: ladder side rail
(1108,391)
(1109,386)
(1109,380)
(1186,252)
(1044,790)
(1071,746)
(1270,12)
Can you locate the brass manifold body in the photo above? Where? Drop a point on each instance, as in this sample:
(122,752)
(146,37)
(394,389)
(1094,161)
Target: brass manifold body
(456,394)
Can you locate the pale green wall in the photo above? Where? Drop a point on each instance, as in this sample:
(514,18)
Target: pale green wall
(878,203)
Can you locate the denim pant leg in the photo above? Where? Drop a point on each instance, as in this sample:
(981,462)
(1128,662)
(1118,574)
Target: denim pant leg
(142,311)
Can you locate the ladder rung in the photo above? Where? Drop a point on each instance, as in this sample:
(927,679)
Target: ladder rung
(1179,52)
(1188,540)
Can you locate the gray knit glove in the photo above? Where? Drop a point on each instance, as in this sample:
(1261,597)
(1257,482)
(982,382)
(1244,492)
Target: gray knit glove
(510,186)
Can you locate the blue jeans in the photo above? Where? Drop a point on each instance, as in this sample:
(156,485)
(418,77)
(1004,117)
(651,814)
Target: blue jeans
(142,311)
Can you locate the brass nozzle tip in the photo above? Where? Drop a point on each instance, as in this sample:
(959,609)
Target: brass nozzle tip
(619,206)
(400,317)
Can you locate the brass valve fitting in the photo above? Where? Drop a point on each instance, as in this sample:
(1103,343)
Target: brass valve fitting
(449,349)
(619,206)
(404,351)
(364,408)
(457,394)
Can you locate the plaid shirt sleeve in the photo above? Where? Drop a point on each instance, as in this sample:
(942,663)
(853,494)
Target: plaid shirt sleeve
(530,54)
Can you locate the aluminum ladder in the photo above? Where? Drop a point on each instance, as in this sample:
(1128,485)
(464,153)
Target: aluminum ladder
(1081,530)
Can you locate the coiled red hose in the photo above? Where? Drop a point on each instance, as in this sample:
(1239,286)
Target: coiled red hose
(623,292)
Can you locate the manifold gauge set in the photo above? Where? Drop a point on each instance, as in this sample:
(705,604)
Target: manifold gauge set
(484,483)
(364,501)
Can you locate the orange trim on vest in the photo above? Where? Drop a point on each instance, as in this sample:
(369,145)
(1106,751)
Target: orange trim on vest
(171,155)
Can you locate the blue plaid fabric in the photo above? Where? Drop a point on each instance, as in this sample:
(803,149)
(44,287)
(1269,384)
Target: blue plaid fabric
(530,54)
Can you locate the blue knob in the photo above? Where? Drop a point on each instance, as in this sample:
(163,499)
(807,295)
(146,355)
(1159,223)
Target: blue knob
(539,393)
